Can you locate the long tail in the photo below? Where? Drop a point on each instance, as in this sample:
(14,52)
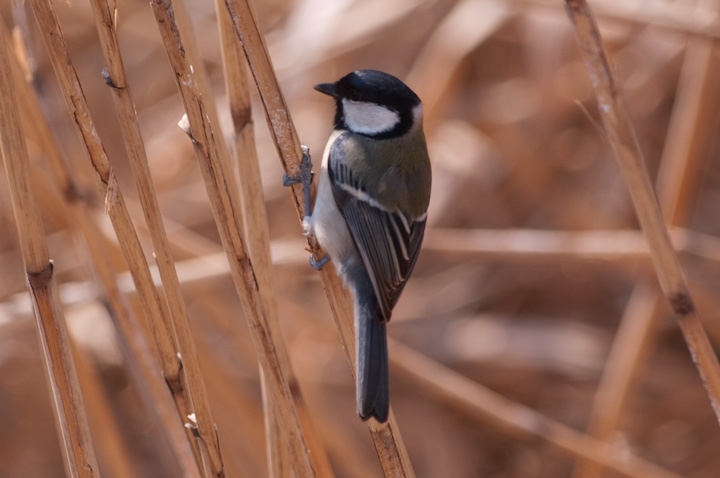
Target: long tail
(373,383)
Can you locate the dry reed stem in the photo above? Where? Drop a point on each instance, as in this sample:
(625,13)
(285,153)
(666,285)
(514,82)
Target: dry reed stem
(160,323)
(630,345)
(138,353)
(122,96)
(686,17)
(140,358)
(624,144)
(282,131)
(202,81)
(114,201)
(688,130)
(386,437)
(257,235)
(112,449)
(513,419)
(528,245)
(210,266)
(72,424)
(676,177)
(255,227)
(515,245)
(614,247)
(205,141)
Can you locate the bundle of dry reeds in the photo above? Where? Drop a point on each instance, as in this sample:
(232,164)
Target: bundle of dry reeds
(554,326)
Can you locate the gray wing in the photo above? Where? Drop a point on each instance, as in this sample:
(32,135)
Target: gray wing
(388,241)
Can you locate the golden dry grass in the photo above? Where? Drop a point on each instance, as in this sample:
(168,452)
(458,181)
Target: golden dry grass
(533,322)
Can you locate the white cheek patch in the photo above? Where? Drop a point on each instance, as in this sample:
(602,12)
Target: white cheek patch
(368,118)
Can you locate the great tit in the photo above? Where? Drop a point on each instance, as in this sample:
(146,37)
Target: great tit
(370,211)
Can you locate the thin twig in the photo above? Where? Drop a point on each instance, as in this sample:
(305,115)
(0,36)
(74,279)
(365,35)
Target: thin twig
(72,424)
(386,437)
(624,143)
(205,139)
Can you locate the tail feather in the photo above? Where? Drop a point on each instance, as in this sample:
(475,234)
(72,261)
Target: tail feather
(373,383)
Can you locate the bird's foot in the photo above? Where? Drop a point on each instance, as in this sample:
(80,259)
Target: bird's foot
(305,178)
(318,265)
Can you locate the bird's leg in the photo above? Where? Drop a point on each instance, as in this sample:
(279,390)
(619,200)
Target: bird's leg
(305,178)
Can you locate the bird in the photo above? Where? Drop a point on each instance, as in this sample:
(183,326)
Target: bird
(370,211)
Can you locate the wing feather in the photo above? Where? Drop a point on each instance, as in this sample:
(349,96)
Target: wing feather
(388,242)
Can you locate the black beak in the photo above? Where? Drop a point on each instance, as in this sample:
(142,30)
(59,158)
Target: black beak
(327,89)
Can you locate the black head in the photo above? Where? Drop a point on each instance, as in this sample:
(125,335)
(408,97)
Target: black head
(373,103)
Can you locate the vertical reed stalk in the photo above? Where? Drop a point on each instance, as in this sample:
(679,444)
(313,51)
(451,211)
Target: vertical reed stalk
(138,353)
(160,323)
(205,141)
(122,96)
(678,172)
(72,424)
(257,236)
(114,202)
(624,143)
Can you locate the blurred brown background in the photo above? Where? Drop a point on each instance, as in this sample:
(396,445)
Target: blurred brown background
(516,145)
